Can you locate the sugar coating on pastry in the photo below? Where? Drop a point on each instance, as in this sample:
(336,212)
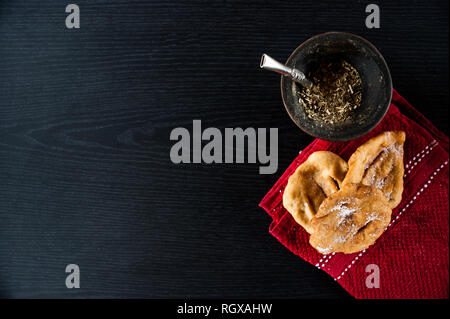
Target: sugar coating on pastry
(317,178)
(350,220)
(379,163)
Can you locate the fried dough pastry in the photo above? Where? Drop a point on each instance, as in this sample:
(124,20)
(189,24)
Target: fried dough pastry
(317,178)
(350,220)
(379,163)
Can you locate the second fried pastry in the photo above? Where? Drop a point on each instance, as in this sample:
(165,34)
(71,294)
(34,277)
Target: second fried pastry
(379,163)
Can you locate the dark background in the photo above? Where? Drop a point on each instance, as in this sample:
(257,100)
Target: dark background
(85,118)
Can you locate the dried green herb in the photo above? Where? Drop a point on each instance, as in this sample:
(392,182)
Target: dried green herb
(335,94)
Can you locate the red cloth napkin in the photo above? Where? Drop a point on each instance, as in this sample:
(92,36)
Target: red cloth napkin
(412,254)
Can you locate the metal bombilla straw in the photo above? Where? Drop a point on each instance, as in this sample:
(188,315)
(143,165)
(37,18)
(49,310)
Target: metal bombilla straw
(271,64)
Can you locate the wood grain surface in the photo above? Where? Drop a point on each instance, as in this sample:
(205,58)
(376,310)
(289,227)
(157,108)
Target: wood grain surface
(85,118)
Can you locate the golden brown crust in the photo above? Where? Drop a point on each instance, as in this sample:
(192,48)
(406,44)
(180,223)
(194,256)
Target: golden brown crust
(350,220)
(379,163)
(314,180)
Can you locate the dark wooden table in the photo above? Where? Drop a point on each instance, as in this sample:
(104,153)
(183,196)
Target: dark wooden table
(85,118)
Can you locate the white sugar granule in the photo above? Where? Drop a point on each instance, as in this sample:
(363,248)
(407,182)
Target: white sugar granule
(343,211)
(323,250)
